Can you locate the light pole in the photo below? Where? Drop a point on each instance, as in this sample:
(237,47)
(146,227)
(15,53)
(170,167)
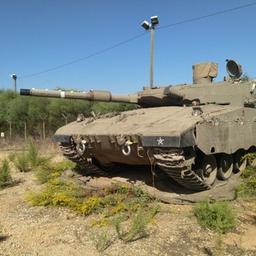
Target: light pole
(14,77)
(151,27)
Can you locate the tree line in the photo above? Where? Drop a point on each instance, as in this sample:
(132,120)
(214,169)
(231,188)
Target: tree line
(41,117)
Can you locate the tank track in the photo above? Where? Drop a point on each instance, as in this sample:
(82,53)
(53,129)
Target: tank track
(70,152)
(179,169)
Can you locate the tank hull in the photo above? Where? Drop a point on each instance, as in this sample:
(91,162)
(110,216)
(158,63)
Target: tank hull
(175,139)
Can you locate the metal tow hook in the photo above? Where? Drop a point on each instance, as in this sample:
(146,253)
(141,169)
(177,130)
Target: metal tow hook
(126,148)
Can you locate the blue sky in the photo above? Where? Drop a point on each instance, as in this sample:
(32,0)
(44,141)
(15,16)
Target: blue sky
(39,34)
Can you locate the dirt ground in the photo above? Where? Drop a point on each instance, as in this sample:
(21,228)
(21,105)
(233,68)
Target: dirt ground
(42,231)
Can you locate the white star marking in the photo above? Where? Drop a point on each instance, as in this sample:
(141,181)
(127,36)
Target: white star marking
(160,141)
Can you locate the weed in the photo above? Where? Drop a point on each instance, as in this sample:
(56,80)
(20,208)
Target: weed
(34,157)
(138,227)
(30,159)
(103,241)
(216,216)
(43,174)
(5,176)
(21,162)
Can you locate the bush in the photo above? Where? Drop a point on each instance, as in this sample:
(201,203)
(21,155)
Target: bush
(216,216)
(5,176)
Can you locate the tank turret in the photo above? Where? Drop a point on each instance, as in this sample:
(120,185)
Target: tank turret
(203,91)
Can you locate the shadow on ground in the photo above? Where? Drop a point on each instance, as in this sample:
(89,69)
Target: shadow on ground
(164,188)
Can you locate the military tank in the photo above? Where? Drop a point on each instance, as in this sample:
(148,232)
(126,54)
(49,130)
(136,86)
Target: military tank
(195,133)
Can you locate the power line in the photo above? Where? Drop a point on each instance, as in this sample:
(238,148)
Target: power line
(84,58)
(208,15)
(136,37)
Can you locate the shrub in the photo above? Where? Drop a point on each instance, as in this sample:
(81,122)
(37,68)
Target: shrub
(216,216)
(57,193)
(5,176)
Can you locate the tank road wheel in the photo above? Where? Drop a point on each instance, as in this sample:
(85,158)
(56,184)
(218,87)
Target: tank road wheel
(225,166)
(209,169)
(239,162)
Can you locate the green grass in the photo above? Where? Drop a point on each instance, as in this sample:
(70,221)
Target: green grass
(217,216)
(248,188)
(30,159)
(34,157)
(21,162)
(5,176)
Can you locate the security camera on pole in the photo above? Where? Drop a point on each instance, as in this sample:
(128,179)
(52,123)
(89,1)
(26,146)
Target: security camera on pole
(14,77)
(151,27)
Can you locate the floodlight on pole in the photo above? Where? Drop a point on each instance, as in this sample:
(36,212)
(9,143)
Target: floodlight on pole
(14,77)
(151,27)
(145,25)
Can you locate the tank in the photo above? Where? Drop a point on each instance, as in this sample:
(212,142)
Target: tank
(195,133)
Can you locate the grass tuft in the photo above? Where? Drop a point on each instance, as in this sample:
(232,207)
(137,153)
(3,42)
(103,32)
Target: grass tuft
(21,162)
(5,176)
(216,216)
(30,159)
(138,225)
(102,241)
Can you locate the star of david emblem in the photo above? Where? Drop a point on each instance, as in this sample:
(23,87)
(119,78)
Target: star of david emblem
(160,141)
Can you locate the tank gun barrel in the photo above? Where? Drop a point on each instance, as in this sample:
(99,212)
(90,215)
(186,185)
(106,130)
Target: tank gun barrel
(92,95)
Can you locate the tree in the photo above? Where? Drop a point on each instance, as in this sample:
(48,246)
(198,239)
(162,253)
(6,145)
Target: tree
(17,114)
(38,115)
